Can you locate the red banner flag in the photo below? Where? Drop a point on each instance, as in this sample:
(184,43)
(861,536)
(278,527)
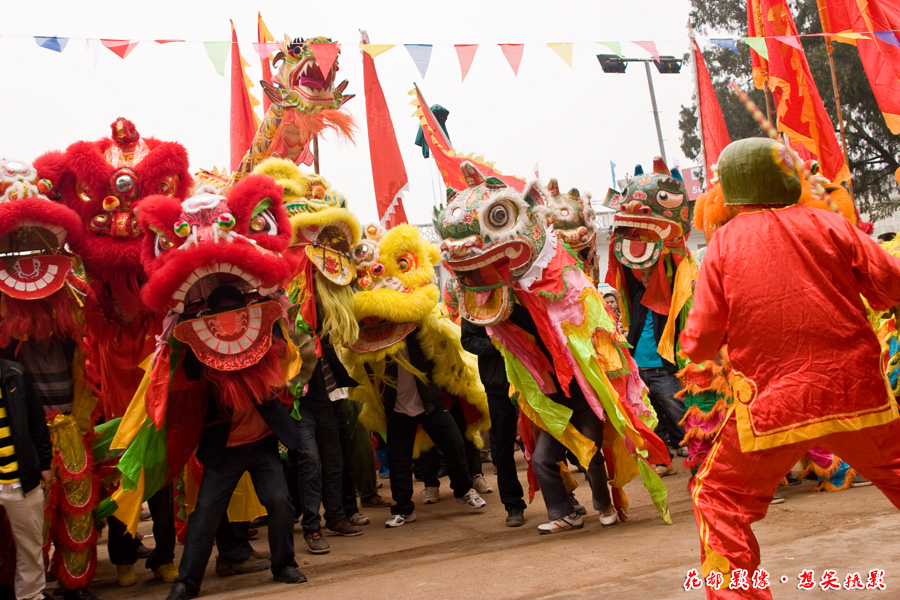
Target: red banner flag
(243,120)
(712,121)
(448,161)
(880,56)
(801,114)
(388,171)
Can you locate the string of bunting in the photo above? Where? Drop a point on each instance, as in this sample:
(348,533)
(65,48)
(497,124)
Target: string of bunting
(217,51)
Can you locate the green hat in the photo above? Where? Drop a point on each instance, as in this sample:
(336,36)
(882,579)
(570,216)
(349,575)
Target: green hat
(758,171)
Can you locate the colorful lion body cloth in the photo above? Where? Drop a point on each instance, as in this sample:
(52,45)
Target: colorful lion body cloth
(502,253)
(41,326)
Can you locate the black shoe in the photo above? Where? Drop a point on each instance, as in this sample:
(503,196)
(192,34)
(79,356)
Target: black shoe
(289,575)
(179,591)
(316,543)
(792,479)
(344,528)
(79,594)
(254,564)
(142,550)
(259,522)
(576,506)
(515,517)
(252,534)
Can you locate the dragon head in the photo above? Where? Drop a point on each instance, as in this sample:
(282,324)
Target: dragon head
(299,82)
(35,266)
(323,226)
(654,212)
(492,236)
(396,285)
(572,218)
(102,181)
(218,263)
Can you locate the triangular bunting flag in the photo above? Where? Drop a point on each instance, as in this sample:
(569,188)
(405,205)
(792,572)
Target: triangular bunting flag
(218,54)
(513,54)
(888,37)
(616,47)
(55,43)
(264,49)
(727,43)
(421,55)
(122,48)
(759,45)
(325,55)
(374,50)
(851,36)
(167,41)
(564,50)
(790,40)
(649,47)
(466,54)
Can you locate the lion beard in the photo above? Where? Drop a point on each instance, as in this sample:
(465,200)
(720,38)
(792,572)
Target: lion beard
(338,318)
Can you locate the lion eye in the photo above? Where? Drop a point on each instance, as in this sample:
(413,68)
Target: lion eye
(403,265)
(499,216)
(162,244)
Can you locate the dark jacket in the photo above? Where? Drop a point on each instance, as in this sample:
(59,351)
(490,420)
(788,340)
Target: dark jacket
(429,392)
(636,291)
(491,366)
(28,427)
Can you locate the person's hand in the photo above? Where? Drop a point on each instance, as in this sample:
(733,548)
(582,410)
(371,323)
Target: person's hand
(47,478)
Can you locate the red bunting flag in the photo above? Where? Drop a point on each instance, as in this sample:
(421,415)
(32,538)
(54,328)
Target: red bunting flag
(801,114)
(712,122)
(448,161)
(167,41)
(880,56)
(513,54)
(265,39)
(791,40)
(243,120)
(122,48)
(388,172)
(325,55)
(651,48)
(466,54)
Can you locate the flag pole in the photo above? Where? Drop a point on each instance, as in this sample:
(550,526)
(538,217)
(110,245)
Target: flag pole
(840,114)
(315,151)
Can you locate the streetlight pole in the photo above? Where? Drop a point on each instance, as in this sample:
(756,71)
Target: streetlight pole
(662,149)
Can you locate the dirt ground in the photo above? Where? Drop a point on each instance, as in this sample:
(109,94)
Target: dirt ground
(453,552)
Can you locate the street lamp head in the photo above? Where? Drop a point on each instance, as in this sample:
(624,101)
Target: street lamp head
(668,64)
(611,63)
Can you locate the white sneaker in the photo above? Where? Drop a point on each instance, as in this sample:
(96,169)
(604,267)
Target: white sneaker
(432,494)
(573,521)
(610,516)
(398,520)
(481,485)
(472,499)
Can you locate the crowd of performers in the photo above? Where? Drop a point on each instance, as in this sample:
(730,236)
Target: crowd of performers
(225,350)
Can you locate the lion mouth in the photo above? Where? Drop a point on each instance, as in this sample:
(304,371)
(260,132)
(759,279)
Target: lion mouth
(377,334)
(311,83)
(192,296)
(328,248)
(32,267)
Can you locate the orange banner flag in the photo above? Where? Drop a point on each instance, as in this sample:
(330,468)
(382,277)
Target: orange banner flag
(801,114)
(877,50)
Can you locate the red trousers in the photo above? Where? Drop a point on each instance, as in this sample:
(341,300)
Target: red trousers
(733,489)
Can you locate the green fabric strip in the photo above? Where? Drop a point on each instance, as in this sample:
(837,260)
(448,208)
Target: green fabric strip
(554,415)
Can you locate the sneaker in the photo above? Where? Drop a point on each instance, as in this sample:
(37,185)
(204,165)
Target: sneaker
(610,516)
(472,499)
(254,564)
(777,499)
(315,542)
(432,494)
(289,574)
(664,470)
(515,517)
(859,481)
(168,573)
(345,528)
(125,575)
(264,555)
(573,521)
(576,506)
(359,519)
(481,485)
(375,501)
(398,520)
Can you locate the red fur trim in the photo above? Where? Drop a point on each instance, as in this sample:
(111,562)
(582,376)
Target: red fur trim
(259,382)
(51,166)
(42,319)
(12,214)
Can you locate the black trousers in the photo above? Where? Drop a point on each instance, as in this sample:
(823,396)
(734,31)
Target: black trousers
(123,547)
(504,419)
(347,425)
(401,435)
(261,460)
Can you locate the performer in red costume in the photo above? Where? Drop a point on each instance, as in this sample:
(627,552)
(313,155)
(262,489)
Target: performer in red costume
(781,284)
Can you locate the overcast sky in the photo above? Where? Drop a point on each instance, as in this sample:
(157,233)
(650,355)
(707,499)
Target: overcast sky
(571,122)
